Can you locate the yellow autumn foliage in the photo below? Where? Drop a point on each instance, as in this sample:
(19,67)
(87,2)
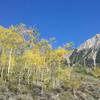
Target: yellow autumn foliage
(65,73)
(37,59)
(4,58)
(9,38)
(33,58)
(61,52)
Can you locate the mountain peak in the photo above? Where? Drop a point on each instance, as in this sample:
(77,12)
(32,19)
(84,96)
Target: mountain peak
(93,42)
(88,54)
(97,36)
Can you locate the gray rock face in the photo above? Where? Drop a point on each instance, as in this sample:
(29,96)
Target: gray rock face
(88,53)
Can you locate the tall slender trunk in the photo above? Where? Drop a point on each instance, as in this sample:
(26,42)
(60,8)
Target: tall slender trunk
(42,78)
(9,65)
(28,77)
(59,74)
(53,75)
(19,80)
(2,70)
(74,93)
(94,59)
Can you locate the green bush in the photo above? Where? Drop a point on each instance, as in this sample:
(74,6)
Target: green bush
(96,72)
(80,69)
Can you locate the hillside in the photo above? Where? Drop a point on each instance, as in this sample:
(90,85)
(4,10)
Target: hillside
(88,53)
(31,69)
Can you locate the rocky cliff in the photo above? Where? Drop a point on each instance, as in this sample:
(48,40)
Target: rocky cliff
(88,53)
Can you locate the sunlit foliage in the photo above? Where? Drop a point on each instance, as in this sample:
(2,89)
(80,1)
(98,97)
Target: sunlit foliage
(24,56)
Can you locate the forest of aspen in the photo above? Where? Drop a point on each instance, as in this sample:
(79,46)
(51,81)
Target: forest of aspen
(32,69)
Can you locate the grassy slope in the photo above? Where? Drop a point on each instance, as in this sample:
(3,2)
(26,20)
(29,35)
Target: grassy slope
(82,86)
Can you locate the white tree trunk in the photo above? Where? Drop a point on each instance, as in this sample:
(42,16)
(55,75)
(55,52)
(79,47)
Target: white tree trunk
(9,65)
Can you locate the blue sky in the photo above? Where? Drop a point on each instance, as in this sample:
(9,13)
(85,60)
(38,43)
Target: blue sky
(67,20)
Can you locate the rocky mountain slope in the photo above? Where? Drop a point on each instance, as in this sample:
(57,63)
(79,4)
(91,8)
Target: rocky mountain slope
(88,53)
(88,89)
